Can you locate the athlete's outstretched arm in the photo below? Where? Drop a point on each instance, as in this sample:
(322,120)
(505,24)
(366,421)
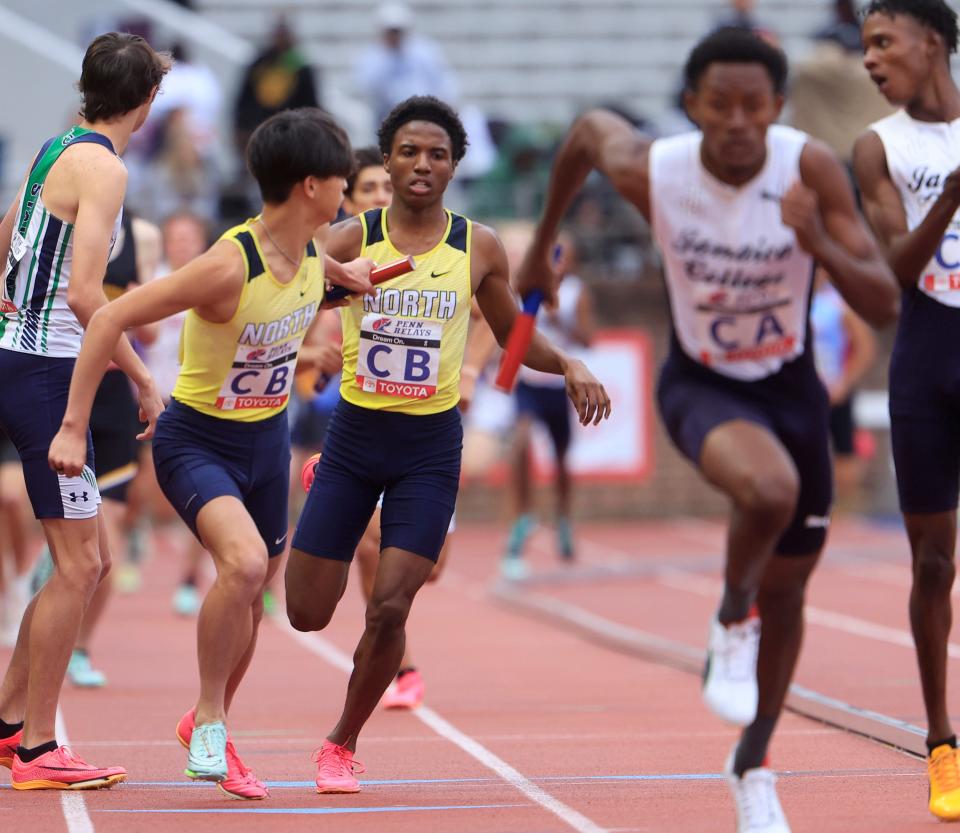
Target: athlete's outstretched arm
(210,284)
(598,140)
(906,251)
(490,277)
(822,211)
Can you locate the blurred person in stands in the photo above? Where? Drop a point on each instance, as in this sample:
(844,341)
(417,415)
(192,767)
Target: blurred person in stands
(741,14)
(831,95)
(185,237)
(181,176)
(401,64)
(541,398)
(279,78)
(193,88)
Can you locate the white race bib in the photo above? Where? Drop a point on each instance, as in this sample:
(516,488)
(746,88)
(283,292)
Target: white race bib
(399,356)
(260,377)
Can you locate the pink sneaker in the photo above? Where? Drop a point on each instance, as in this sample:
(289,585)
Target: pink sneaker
(240,782)
(336,768)
(62,770)
(405,693)
(8,748)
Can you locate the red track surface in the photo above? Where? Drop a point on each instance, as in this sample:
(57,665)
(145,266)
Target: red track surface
(591,739)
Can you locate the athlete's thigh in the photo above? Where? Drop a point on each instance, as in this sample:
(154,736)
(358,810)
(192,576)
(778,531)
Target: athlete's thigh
(741,452)
(229,534)
(31,415)
(805,433)
(314,587)
(721,429)
(400,575)
(926,457)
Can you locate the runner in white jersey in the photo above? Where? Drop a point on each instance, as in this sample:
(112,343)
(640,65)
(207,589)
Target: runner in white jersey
(55,240)
(740,212)
(541,398)
(906,166)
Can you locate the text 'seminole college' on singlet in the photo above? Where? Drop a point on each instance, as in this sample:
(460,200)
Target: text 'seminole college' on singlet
(920,155)
(403,348)
(34,314)
(738,282)
(243,369)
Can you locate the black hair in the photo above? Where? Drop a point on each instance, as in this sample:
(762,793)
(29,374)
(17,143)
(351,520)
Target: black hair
(933,13)
(294,144)
(424,108)
(732,45)
(368,157)
(119,73)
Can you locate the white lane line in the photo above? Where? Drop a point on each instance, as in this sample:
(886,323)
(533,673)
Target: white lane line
(679,580)
(74,807)
(322,648)
(712,588)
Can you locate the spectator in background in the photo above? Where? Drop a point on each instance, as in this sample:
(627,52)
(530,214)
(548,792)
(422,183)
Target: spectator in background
(193,88)
(569,323)
(832,97)
(278,79)
(844,349)
(740,15)
(180,176)
(401,64)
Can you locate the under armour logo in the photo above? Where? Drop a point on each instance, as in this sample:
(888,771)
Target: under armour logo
(74,497)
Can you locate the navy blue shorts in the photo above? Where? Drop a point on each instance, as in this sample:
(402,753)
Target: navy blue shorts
(199,457)
(925,405)
(31,410)
(550,406)
(792,405)
(114,423)
(413,459)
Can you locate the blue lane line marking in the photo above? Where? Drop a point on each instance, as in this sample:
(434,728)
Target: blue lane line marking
(327,811)
(683,776)
(400,782)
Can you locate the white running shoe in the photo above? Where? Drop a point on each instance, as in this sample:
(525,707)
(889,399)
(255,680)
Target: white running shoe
(755,797)
(730,677)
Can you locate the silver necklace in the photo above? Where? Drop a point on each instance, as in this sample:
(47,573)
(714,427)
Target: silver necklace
(276,245)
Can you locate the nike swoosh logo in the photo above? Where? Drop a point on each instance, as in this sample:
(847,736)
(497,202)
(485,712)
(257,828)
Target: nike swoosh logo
(280,540)
(439,274)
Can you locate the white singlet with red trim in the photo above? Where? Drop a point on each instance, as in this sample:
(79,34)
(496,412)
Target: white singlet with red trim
(920,155)
(739,284)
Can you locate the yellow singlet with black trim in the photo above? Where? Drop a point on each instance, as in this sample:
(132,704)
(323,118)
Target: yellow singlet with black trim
(243,369)
(403,348)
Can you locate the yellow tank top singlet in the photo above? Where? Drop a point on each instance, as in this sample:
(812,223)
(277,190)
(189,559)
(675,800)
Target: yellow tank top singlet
(403,348)
(243,369)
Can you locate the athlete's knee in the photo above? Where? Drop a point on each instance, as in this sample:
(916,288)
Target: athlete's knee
(388,614)
(770,496)
(307,619)
(80,567)
(243,566)
(933,570)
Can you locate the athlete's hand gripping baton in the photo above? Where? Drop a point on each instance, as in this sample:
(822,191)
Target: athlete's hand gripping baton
(378,275)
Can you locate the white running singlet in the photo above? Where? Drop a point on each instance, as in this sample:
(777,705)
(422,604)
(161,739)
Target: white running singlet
(920,155)
(739,284)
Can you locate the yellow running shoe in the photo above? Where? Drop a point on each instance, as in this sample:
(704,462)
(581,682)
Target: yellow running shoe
(943,766)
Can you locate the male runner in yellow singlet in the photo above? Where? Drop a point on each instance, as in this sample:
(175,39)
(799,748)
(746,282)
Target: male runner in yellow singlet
(222,447)
(397,429)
